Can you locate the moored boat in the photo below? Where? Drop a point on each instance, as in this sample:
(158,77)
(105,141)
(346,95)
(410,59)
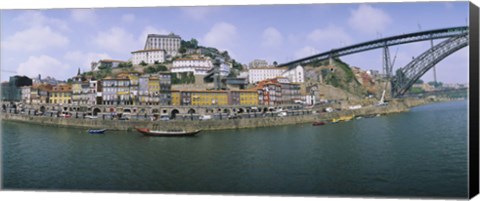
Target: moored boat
(166,133)
(96,131)
(318,123)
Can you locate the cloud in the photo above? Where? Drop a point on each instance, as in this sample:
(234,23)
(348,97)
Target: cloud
(221,35)
(271,37)
(37,18)
(149,30)
(330,37)
(369,20)
(305,51)
(35,39)
(82,60)
(44,65)
(197,13)
(83,15)
(128,18)
(116,40)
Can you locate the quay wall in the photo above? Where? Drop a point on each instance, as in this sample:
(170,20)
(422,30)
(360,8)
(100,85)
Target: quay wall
(206,124)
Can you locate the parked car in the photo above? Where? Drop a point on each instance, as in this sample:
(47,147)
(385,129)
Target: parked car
(205,117)
(164,118)
(123,118)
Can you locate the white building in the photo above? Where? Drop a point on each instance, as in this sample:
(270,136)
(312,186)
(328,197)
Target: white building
(25,90)
(95,92)
(170,43)
(197,66)
(225,69)
(295,75)
(148,56)
(258,74)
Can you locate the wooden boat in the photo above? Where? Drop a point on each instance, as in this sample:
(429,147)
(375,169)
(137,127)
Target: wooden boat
(318,123)
(96,131)
(166,133)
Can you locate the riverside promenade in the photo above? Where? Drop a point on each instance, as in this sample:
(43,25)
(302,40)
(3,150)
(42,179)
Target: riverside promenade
(214,124)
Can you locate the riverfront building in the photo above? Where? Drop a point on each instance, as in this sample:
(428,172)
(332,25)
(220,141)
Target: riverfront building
(80,93)
(148,56)
(26,93)
(170,43)
(61,94)
(116,91)
(278,91)
(165,80)
(11,90)
(243,97)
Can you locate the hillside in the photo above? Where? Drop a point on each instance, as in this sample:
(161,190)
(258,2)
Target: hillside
(339,75)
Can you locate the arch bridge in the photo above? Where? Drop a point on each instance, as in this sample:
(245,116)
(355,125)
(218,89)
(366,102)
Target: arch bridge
(456,39)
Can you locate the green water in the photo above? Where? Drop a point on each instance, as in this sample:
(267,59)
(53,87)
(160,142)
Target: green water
(421,153)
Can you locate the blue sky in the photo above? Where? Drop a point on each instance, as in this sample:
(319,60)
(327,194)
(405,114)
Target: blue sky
(57,42)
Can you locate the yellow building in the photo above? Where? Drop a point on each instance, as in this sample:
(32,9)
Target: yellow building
(154,86)
(248,97)
(209,97)
(61,94)
(175,97)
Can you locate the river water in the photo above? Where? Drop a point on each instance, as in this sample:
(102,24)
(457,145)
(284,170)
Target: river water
(421,153)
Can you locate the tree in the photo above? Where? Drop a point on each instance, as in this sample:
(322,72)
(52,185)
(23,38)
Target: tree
(419,81)
(182,50)
(143,63)
(174,78)
(150,70)
(194,43)
(191,78)
(160,68)
(275,63)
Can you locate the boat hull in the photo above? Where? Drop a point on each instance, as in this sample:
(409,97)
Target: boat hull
(318,123)
(97,131)
(148,132)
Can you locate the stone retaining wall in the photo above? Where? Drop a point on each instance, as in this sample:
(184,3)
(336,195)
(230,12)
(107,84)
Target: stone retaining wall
(197,124)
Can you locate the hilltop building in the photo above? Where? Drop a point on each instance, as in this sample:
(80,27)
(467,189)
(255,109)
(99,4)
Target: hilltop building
(170,43)
(262,73)
(148,56)
(296,74)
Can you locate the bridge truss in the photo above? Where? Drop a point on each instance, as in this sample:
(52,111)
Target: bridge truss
(405,77)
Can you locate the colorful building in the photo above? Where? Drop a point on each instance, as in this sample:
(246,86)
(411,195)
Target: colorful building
(243,97)
(175,97)
(61,94)
(209,97)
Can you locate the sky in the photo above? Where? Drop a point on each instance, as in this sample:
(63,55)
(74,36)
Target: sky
(56,42)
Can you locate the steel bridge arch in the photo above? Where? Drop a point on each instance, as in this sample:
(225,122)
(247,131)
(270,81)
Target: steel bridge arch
(405,77)
(381,43)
